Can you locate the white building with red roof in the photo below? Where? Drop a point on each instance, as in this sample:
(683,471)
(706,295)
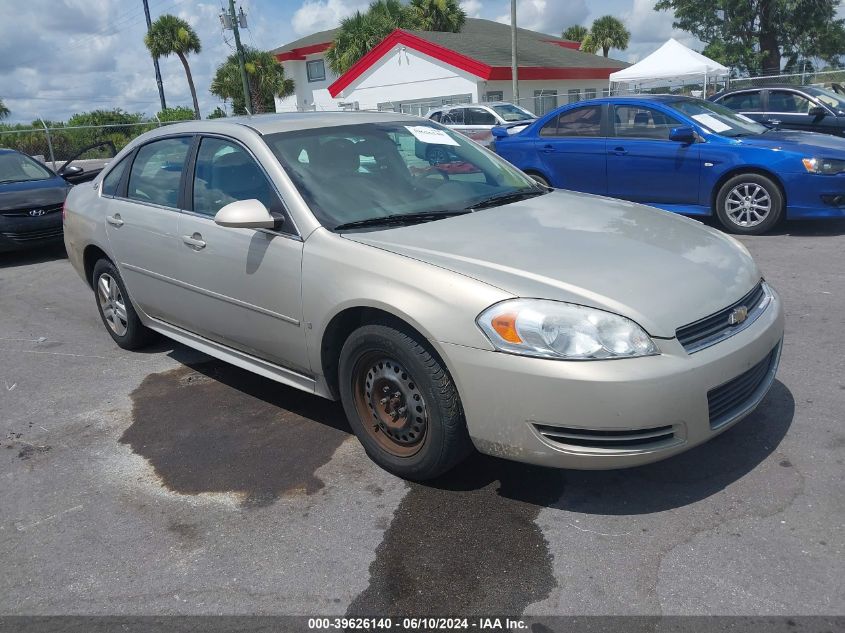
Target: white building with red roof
(412,71)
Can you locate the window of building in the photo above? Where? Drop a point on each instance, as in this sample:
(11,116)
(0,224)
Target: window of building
(544,101)
(495,95)
(574,95)
(316,69)
(590,93)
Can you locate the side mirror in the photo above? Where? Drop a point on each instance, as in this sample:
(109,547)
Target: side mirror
(683,134)
(499,132)
(245,214)
(70,171)
(817,111)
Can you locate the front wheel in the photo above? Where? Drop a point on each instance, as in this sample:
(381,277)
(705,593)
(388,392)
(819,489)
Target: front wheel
(401,403)
(749,204)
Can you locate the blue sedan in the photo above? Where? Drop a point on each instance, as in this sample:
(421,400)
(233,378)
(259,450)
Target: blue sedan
(684,155)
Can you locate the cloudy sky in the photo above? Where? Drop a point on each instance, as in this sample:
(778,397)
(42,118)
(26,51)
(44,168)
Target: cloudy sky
(64,56)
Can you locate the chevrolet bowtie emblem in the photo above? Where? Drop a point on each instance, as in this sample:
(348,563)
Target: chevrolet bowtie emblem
(738,315)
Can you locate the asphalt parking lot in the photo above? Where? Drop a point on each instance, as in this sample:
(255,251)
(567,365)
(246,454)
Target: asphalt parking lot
(165,482)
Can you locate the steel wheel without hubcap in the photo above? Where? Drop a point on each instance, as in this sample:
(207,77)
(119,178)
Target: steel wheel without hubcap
(112,304)
(390,404)
(437,155)
(748,204)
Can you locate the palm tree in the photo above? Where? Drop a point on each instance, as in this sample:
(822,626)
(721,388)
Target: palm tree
(575,33)
(607,32)
(266,81)
(170,35)
(437,15)
(4,111)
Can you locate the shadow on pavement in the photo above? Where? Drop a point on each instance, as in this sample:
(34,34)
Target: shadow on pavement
(37,255)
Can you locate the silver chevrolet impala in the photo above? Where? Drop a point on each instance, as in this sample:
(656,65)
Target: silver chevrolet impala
(447,306)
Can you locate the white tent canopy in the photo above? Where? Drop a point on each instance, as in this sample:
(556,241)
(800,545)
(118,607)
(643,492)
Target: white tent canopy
(670,63)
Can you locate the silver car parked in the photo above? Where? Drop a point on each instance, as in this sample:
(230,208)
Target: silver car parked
(448,306)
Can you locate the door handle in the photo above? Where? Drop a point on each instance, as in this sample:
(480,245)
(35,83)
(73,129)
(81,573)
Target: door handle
(548,149)
(195,241)
(114,220)
(619,151)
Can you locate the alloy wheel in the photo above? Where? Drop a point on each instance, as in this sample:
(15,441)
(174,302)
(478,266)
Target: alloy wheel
(748,204)
(112,304)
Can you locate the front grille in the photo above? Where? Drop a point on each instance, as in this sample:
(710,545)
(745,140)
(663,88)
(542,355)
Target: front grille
(603,439)
(731,399)
(54,232)
(21,213)
(716,327)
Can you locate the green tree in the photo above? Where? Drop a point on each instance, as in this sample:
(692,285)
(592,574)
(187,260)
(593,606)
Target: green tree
(361,32)
(266,81)
(218,113)
(437,15)
(606,32)
(754,36)
(178,113)
(4,111)
(170,35)
(575,33)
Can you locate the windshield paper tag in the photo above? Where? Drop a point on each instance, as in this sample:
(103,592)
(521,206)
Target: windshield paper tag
(431,135)
(712,122)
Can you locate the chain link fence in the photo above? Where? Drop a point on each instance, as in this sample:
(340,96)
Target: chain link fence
(56,143)
(825,79)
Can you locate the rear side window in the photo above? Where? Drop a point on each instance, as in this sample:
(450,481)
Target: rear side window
(453,117)
(479,116)
(584,121)
(743,101)
(112,180)
(157,171)
(435,116)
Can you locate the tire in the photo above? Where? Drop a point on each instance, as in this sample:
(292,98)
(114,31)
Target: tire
(749,204)
(116,309)
(539,179)
(401,403)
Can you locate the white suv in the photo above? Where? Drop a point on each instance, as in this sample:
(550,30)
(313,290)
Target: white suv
(477,120)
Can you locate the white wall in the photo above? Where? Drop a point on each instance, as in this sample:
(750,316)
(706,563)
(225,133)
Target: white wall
(308,95)
(527,88)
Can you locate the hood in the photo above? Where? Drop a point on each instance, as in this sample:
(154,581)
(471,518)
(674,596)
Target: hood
(795,141)
(657,268)
(33,193)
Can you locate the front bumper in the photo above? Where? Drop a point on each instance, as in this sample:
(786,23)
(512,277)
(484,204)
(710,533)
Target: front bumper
(20,232)
(540,411)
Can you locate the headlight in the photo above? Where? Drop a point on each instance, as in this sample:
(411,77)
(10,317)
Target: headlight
(827,166)
(553,329)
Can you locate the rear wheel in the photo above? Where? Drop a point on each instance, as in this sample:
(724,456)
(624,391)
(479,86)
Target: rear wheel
(401,403)
(116,309)
(749,204)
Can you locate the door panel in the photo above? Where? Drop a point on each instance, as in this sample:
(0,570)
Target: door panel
(643,165)
(244,284)
(572,149)
(142,232)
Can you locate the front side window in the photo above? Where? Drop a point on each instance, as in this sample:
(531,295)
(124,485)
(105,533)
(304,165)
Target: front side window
(15,167)
(225,173)
(633,121)
(479,116)
(454,116)
(788,102)
(157,171)
(112,180)
(584,121)
(316,69)
(743,101)
(365,172)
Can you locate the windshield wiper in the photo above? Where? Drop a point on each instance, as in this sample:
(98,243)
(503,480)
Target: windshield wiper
(399,219)
(506,198)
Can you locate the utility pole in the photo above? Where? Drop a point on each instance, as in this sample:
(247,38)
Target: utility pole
(514,61)
(155,60)
(232,20)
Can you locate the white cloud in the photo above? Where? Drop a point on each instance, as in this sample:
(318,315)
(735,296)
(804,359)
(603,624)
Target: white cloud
(319,15)
(650,29)
(472,8)
(547,16)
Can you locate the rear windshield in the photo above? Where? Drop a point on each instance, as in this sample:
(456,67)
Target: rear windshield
(15,167)
(718,118)
(510,112)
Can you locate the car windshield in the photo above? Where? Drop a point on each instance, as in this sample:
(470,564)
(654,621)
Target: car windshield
(510,112)
(361,174)
(15,167)
(829,98)
(717,118)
